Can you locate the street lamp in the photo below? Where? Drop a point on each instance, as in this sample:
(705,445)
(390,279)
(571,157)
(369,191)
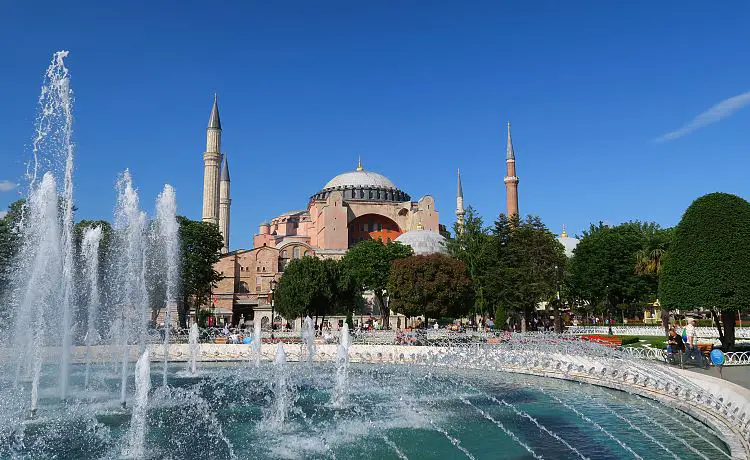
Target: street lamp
(273,310)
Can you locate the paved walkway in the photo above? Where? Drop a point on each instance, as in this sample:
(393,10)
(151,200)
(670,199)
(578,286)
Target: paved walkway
(735,374)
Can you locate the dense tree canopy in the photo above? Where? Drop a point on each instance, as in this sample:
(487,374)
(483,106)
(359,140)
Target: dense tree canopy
(472,245)
(315,287)
(10,241)
(708,263)
(433,286)
(200,245)
(527,258)
(368,264)
(610,265)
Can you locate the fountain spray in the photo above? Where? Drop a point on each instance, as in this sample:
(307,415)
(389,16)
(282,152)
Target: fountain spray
(168,232)
(90,249)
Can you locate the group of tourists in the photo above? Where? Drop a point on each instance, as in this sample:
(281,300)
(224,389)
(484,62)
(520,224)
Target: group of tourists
(684,344)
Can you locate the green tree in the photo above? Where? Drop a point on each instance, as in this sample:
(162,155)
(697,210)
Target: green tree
(368,263)
(708,263)
(315,287)
(648,260)
(528,257)
(200,246)
(10,242)
(472,245)
(434,286)
(602,273)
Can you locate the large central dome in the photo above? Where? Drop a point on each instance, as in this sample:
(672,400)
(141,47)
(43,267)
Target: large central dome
(363,185)
(360,178)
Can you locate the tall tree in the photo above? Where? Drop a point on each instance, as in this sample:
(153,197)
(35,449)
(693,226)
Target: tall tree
(368,263)
(10,241)
(200,243)
(472,245)
(313,286)
(528,259)
(434,286)
(708,263)
(602,273)
(648,260)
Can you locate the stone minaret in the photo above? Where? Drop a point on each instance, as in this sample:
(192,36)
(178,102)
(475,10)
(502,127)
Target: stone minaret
(211,164)
(511,180)
(225,201)
(460,205)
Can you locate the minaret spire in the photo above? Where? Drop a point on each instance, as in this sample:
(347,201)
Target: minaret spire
(509,153)
(211,166)
(214,121)
(459,205)
(359,163)
(225,202)
(511,180)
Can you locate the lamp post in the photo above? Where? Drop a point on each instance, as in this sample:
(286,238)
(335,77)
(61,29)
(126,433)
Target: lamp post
(273,310)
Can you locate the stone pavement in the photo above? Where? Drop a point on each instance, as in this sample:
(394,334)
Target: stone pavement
(735,374)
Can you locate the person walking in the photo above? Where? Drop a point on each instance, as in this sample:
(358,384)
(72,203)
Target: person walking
(692,342)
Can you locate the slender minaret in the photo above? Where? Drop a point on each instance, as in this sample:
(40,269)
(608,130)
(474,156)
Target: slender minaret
(460,206)
(225,201)
(511,180)
(211,164)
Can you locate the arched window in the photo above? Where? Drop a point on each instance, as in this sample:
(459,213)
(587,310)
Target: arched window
(307,253)
(243,288)
(296,252)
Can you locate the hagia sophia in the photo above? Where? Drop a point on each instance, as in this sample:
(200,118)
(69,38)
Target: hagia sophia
(353,206)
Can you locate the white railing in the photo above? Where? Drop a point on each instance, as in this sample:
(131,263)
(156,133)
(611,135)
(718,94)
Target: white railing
(703,332)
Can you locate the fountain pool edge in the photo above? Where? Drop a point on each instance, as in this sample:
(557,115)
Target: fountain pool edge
(732,426)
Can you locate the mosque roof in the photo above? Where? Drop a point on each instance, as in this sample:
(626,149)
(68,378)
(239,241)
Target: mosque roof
(423,242)
(360,178)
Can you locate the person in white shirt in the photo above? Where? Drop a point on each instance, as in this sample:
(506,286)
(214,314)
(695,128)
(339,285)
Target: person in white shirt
(692,341)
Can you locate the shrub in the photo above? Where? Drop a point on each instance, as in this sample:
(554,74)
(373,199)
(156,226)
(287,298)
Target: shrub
(629,340)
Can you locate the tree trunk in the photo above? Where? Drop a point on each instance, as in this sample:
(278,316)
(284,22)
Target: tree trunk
(728,317)
(524,319)
(715,316)
(182,310)
(665,321)
(383,309)
(557,321)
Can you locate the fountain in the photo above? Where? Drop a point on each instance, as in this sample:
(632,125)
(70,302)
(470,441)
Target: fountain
(193,348)
(257,342)
(136,448)
(92,236)
(531,395)
(342,366)
(168,235)
(308,338)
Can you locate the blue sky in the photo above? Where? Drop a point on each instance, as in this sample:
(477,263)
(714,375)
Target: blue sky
(592,89)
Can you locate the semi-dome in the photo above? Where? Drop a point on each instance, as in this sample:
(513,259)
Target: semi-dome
(424,242)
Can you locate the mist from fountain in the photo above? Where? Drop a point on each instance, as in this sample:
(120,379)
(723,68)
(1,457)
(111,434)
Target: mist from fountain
(92,237)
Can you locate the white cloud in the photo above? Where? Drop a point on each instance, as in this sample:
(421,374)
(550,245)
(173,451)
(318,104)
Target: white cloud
(718,112)
(6,186)
(3,214)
